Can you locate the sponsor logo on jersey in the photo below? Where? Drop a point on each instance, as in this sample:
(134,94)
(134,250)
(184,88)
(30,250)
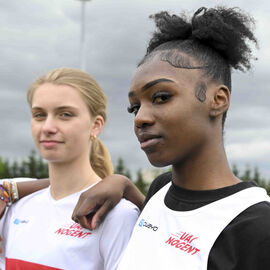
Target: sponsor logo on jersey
(18,221)
(184,242)
(73,230)
(148,225)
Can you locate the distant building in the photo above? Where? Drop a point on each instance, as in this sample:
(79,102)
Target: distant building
(150,174)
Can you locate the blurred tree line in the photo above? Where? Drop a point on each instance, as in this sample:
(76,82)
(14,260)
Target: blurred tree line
(35,167)
(247,175)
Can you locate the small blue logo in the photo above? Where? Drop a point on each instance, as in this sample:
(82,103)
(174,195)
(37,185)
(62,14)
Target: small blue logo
(141,222)
(145,224)
(18,221)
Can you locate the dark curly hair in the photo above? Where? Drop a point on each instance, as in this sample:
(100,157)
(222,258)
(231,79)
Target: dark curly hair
(213,40)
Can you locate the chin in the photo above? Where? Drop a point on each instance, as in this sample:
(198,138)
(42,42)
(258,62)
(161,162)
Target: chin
(51,158)
(157,161)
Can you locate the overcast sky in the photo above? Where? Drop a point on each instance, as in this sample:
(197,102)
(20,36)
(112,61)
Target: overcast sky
(39,35)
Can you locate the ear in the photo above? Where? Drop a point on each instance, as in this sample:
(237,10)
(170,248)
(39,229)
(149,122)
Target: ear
(220,101)
(97,126)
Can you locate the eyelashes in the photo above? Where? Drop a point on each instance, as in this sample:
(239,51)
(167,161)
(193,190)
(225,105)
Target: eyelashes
(161,97)
(133,109)
(38,115)
(158,98)
(66,114)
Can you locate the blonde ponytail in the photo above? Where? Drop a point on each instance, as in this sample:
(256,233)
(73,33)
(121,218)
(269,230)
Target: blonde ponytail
(100,159)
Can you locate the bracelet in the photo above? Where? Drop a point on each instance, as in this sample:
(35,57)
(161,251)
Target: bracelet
(12,190)
(4,196)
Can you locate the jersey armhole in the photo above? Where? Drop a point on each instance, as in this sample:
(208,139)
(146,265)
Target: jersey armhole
(158,183)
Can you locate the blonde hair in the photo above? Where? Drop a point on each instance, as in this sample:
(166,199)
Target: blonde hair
(95,100)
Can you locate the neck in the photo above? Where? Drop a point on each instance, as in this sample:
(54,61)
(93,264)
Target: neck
(71,177)
(205,171)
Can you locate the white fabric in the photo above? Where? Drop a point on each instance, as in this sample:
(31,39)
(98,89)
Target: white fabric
(40,230)
(167,239)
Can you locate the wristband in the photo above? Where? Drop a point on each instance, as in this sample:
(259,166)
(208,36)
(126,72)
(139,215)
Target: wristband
(14,192)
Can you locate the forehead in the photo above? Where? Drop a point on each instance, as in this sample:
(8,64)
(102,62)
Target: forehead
(155,69)
(49,94)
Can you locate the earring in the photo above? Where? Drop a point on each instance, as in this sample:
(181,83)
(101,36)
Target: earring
(93,137)
(213,113)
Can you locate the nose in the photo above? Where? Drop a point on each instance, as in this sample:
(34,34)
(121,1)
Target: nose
(49,126)
(144,117)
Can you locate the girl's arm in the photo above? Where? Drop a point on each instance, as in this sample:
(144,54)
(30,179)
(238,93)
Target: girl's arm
(24,188)
(95,203)
(28,187)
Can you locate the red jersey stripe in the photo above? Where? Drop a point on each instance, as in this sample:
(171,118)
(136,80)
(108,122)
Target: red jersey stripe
(14,264)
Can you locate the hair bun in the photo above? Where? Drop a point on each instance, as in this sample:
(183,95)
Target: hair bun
(225,30)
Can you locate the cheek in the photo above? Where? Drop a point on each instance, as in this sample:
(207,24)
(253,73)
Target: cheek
(80,132)
(183,125)
(35,128)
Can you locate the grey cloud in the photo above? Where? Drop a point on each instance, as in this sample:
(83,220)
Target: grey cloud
(38,35)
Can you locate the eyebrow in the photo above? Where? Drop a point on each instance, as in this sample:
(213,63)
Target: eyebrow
(150,84)
(154,82)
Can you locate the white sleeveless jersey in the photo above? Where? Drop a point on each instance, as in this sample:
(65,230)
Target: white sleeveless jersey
(38,233)
(165,239)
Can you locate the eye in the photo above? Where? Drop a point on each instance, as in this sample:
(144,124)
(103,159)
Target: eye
(65,114)
(161,97)
(133,108)
(38,115)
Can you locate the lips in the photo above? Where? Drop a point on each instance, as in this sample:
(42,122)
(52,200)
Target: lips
(50,143)
(148,140)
